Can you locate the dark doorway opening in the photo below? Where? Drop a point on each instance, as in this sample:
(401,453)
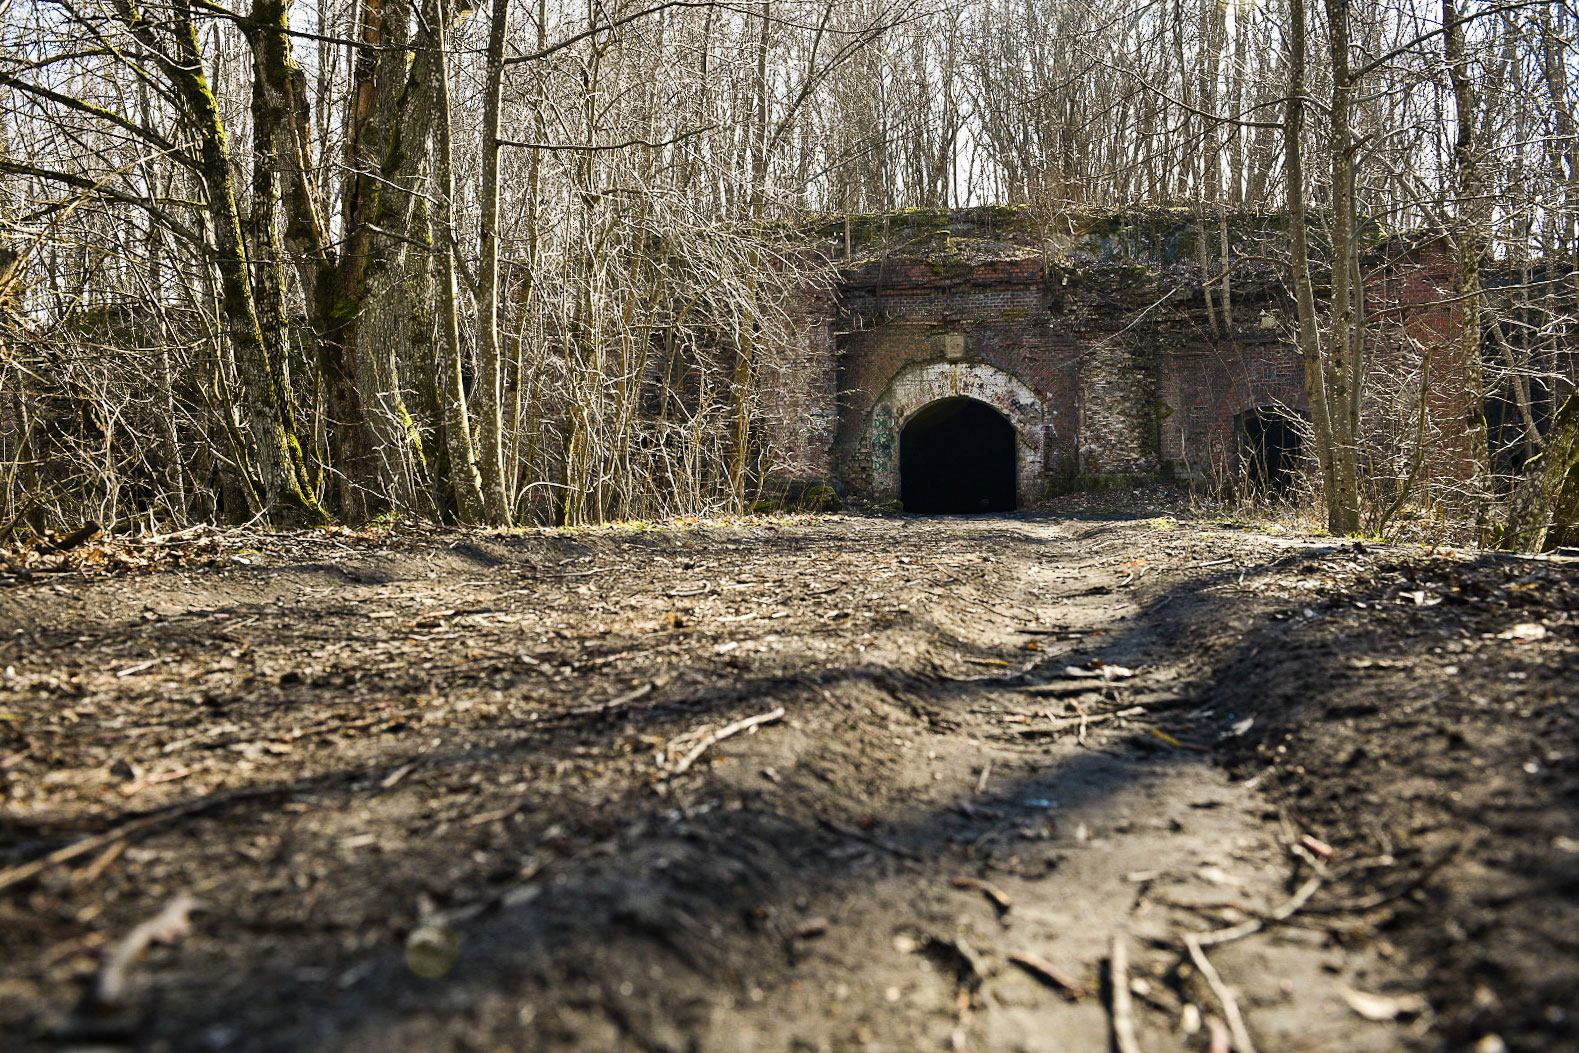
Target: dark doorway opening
(1269,446)
(957,457)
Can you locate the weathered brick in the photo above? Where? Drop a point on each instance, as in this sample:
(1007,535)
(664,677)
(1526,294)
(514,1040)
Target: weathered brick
(1106,368)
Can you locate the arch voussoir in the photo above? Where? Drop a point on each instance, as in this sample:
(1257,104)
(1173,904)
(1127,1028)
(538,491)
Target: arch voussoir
(921,385)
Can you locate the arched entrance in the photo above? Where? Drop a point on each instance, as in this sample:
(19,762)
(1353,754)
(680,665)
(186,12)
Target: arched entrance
(957,457)
(955,388)
(1269,446)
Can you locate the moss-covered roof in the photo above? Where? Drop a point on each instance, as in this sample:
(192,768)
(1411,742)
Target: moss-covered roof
(1153,237)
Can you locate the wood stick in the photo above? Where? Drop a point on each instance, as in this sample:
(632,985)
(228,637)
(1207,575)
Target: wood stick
(24,871)
(1246,928)
(1081,721)
(1230,1004)
(1050,974)
(1064,687)
(80,536)
(875,842)
(1000,899)
(723,733)
(1124,1037)
(168,926)
(636,694)
(1426,874)
(94,870)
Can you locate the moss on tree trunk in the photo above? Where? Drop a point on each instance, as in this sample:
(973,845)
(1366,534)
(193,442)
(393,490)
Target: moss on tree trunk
(1545,512)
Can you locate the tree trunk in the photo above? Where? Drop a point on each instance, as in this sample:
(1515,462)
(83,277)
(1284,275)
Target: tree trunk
(489,357)
(388,366)
(469,507)
(422,358)
(281,492)
(1545,512)
(1345,353)
(1309,335)
(394,140)
(1469,237)
(280,122)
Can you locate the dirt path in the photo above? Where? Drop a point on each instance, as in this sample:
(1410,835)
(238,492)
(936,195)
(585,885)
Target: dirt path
(336,742)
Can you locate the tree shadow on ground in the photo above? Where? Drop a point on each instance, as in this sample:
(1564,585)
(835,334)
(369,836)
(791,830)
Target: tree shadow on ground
(696,880)
(565,894)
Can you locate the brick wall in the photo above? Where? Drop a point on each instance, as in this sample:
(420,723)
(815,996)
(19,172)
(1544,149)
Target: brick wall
(897,314)
(800,406)
(1136,374)
(1412,301)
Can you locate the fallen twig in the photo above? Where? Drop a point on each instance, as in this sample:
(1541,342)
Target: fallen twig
(1061,687)
(1050,974)
(390,781)
(136,786)
(1426,874)
(1059,727)
(1098,670)
(1317,846)
(635,694)
(1123,1007)
(169,925)
(875,842)
(1074,680)
(685,762)
(1177,743)
(25,871)
(175,535)
(1225,997)
(1382,1007)
(1246,928)
(1000,899)
(94,870)
(570,574)
(1221,1038)
(80,536)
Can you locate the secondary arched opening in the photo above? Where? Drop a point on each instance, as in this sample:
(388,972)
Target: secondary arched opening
(1269,446)
(957,457)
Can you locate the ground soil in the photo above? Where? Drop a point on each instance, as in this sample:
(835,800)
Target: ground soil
(980,739)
